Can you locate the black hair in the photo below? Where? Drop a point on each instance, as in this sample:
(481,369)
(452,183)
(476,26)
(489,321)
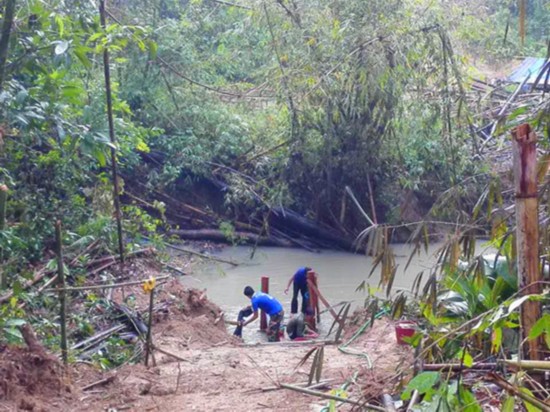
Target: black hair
(248,291)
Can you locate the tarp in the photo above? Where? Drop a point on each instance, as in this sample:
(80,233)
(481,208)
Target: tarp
(530,68)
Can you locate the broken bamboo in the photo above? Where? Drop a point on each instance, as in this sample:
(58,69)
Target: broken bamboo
(322,298)
(524,147)
(148,342)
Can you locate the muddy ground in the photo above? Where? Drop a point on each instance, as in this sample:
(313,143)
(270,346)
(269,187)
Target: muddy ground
(216,372)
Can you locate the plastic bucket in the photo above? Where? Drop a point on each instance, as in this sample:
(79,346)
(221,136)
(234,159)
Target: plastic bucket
(404,329)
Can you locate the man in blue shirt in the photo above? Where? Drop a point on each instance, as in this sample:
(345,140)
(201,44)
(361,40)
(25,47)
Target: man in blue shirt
(269,305)
(299,279)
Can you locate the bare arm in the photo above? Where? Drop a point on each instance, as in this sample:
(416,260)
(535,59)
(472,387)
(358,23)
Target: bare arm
(252,318)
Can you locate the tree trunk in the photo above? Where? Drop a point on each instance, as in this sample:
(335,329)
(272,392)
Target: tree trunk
(9,12)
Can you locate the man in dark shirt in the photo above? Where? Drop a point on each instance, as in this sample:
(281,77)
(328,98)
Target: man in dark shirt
(299,281)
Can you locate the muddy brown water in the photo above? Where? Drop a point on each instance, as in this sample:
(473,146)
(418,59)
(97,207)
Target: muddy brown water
(339,274)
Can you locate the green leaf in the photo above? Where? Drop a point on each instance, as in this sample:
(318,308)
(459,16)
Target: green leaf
(15,322)
(541,326)
(422,383)
(469,401)
(496,341)
(80,53)
(153,48)
(508,405)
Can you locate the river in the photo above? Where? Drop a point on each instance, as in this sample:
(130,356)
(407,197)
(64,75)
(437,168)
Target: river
(339,273)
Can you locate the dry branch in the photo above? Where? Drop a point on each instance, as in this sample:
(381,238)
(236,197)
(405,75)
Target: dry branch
(333,397)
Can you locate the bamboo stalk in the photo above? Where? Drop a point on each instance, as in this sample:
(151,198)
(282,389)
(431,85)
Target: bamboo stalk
(3,205)
(112,138)
(62,293)
(148,343)
(526,364)
(455,367)
(111,286)
(524,147)
(329,396)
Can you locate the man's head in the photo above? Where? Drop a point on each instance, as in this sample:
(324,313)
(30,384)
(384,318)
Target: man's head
(248,291)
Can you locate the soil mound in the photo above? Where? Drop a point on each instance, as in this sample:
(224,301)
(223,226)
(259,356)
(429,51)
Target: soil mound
(29,379)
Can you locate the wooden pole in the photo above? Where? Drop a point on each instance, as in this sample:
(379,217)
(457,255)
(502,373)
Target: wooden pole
(263,316)
(62,292)
(524,147)
(313,301)
(149,343)
(112,138)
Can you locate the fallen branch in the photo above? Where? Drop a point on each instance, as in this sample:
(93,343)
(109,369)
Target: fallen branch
(37,278)
(175,269)
(99,382)
(165,352)
(513,390)
(320,384)
(333,397)
(98,337)
(202,255)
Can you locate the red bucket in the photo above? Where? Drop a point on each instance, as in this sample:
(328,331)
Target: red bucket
(404,329)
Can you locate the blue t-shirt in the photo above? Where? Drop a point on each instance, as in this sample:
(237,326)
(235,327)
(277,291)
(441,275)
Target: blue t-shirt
(266,302)
(300,277)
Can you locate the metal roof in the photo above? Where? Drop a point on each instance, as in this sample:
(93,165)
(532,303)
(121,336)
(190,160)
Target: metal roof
(529,68)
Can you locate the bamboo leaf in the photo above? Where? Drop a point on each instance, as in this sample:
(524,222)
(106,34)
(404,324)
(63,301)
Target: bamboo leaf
(508,404)
(541,326)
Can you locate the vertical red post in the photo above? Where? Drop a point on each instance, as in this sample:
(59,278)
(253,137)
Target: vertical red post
(263,316)
(313,304)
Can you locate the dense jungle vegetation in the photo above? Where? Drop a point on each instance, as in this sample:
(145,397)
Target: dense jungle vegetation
(357,115)
(243,107)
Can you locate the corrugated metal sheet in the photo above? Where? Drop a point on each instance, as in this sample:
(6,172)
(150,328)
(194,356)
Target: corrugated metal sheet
(529,68)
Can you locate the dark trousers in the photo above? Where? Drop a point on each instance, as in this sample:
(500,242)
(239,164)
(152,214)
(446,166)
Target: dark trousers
(244,313)
(305,297)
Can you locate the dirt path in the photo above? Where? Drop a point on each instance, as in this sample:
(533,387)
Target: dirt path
(231,377)
(219,372)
